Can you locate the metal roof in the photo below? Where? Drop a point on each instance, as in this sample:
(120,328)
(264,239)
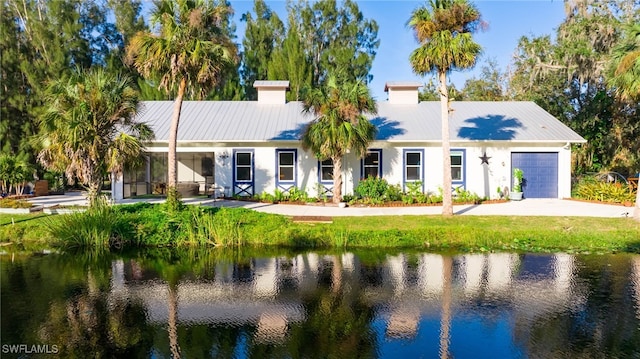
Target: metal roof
(249,121)
(272,84)
(402,84)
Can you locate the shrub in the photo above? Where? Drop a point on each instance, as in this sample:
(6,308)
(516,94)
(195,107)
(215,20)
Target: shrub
(14,203)
(372,189)
(518,175)
(394,193)
(591,189)
(278,195)
(462,195)
(99,227)
(414,193)
(298,195)
(266,197)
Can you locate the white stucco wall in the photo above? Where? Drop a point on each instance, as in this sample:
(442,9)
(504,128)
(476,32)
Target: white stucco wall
(481,179)
(403,96)
(271,96)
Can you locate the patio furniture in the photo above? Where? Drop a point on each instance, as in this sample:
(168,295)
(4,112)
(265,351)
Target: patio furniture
(633,182)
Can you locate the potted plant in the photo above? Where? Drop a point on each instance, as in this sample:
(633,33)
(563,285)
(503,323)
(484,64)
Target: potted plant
(516,191)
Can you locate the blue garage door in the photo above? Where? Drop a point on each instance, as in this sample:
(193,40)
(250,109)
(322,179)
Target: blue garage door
(540,173)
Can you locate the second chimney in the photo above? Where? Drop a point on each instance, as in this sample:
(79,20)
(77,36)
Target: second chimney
(272,92)
(402,92)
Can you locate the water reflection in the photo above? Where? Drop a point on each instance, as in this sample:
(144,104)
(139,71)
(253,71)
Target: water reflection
(366,304)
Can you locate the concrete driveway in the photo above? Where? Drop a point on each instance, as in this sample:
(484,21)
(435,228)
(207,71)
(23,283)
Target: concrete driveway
(527,207)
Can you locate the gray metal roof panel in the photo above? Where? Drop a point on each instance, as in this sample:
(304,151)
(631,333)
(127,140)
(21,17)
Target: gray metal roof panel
(271,83)
(411,84)
(236,121)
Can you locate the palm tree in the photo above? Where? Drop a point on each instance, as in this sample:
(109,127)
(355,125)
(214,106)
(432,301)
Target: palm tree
(625,75)
(188,54)
(339,124)
(88,129)
(443,29)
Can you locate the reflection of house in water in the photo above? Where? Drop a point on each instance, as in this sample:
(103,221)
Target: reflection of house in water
(267,293)
(536,285)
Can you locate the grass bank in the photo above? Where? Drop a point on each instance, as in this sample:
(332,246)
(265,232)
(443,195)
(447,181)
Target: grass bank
(146,225)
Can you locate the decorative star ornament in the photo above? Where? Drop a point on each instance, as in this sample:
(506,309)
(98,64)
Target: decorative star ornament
(484,158)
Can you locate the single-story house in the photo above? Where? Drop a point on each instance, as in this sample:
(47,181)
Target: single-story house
(247,147)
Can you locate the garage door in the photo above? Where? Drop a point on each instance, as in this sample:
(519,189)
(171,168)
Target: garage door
(540,173)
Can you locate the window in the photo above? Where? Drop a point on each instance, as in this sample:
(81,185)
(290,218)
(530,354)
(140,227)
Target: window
(206,163)
(457,161)
(372,164)
(326,170)
(244,166)
(286,165)
(413,166)
(159,167)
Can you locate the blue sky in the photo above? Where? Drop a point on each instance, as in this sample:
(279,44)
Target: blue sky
(508,21)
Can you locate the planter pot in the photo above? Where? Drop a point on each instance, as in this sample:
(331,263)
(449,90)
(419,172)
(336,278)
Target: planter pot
(41,188)
(515,196)
(342,204)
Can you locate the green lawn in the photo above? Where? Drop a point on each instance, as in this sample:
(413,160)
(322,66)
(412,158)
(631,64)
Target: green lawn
(467,233)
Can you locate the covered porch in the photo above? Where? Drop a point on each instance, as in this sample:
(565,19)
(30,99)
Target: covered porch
(196,176)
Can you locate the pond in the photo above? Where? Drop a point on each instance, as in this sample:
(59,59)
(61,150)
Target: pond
(283,304)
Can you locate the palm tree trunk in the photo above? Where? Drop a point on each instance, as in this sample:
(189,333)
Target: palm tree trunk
(173,139)
(447,202)
(93,190)
(337,179)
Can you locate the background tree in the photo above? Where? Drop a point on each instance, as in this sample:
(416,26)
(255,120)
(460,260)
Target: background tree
(430,92)
(321,38)
(88,130)
(625,77)
(489,86)
(15,172)
(289,61)
(567,76)
(261,38)
(187,56)
(443,29)
(43,40)
(339,125)
(624,70)
(339,40)
(230,87)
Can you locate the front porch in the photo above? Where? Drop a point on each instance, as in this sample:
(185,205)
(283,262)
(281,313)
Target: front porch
(196,176)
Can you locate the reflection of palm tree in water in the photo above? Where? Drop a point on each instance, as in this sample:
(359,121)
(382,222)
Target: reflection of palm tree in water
(338,321)
(92,324)
(173,320)
(445,321)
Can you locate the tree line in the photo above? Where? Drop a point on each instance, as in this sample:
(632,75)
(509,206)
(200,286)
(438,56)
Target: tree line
(575,74)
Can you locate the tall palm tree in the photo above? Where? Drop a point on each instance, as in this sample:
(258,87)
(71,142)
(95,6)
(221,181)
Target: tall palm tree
(339,125)
(625,75)
(443,29)
(89,130)
(186,57)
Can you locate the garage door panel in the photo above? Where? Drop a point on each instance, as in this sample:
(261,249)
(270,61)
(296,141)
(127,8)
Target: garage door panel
(540,173)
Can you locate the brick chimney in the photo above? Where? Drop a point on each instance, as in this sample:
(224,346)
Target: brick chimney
(271,92)
(402,92)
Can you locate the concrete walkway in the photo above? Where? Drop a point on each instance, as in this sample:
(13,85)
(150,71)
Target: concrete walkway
(527,207)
